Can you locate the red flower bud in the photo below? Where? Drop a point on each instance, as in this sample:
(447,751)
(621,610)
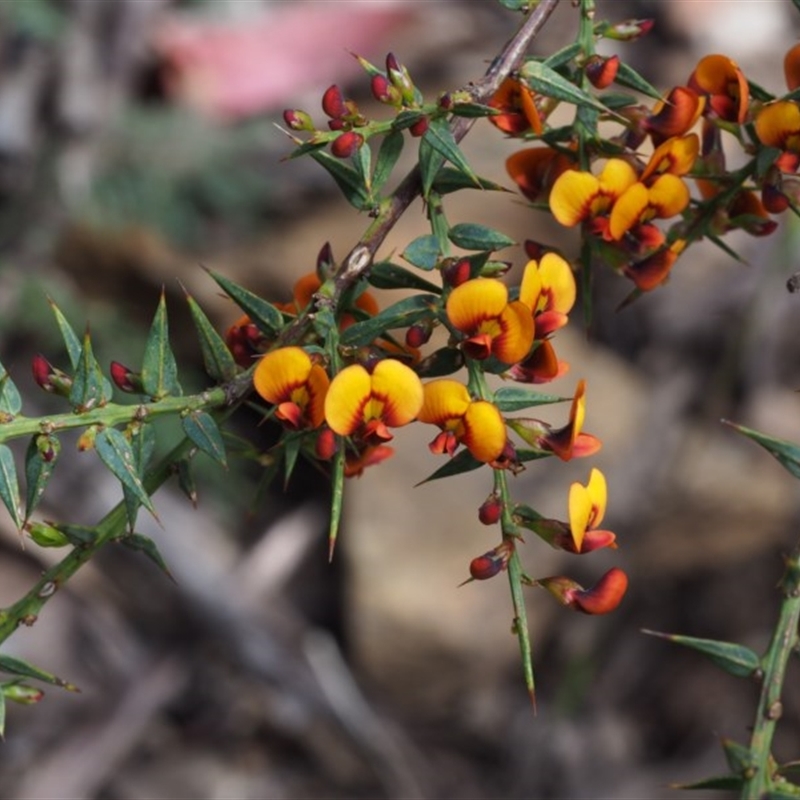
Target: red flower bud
(298,120)
(50,378)
(417,335)
(333,102)
(419,127)
(48,446)
(384,92)
(629,29)
(400,78)
(346,144)
(489,513)
(125,379)
(601,72)
(456,272)
(490,564)
(338,125)
(325,446)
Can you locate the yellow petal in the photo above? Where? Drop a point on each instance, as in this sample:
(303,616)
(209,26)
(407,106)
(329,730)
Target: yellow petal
(668,196)
(616,177)
(400,390)
(580,509)
(531,285)
(791,67)
(474,301)
(598,495)
(349,392)
(628,210)
(517,331)
(280,371)
(484,431)
(675,156)
(558,283)
(572,195)
(776,122)
(444,400)
(318,384)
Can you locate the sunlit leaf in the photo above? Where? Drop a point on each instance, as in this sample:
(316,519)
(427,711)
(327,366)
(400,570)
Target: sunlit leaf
(143,443)
(71,340)
(40,461)
(564,55)
(115,452)
(431,162)
(9,487)
(628,77)
(735,659)
(545,80)
(217,358)
(388,153)
(89,388)
(452,180)
(264,315)
(441,139)
(517,398)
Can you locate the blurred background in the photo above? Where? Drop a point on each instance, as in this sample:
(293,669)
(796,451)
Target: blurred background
(137,145)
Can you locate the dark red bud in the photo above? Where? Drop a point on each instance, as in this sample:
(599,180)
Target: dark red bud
(298,120)
(48,446)
(338,125)
(325,260)
(534,250)
(333,102)
(125,379)
(419,127)
(325,446)
(491,510)
(346,144)
(446,101)
(601,72)
(490,564)
(384,92)
(399,77)
(50,378)
(418,335)
(602,598)
(456,272)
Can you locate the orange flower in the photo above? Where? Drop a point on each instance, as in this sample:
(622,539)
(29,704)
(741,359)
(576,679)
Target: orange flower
(720,80)
(675,156)
(477,424)
(778,125)
(548,289)
(579,196)
(603,597)
(518,106)
(288,378)
(675,115)
(308,285)
(245,341)
(791,67)
(541,366)
(567,442)
(653,270)
(587,507)
(536,169)
(480,309)
(365,405)
(666,197)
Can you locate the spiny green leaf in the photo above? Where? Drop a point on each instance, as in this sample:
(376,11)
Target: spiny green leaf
(738,756)
(386,275)
(16,666)
(116,453)
(449,180)
(735,659)
(264,315)
(201,428)
(346,178)
(144,544)
(423,252)
(10,400)
(71,340)
(458,464)
(517,398)
(406,118)
(388,153)
(564,55)
(440,138)
(142,439)
(758,92)
(291,443)
(159,368)
(400,315)
(186,480)
(470,236)
(76,535)
(444,361)
(217,359)
(438,220)
(721,782)
(362,163)
(546,81)
(337,487)
(40,461)
(474,110)
(89,388)
(787,453)
(9,487)
(627,76)
(431,162)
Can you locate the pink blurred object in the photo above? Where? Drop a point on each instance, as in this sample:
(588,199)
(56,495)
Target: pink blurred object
(232,70)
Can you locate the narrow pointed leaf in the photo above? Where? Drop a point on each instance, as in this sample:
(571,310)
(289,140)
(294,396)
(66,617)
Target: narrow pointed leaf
(77,535)
(159,369)
(400,315)
(444,361)
(628,77)
(545,80)
(440,138)
(9,487)
(563,56)
(40,461)
(470,236)
(787,453)
(186,480)
(738,756)
(758,92)
(337,486)
(517,398)
(431,162)
(10,400)
(71,340)
(423,252)
(346,178)
(735,659)
(89,388)
(201,428)
(406,118)
(263,314)
(438,221)
(143,443)
(458,464)
(721,782)
(115,452)
(386,275)
(388,153)
(362,163)
(450,180)
(144,544)
(525,454)
(291,450)
(16,666)
(217,359)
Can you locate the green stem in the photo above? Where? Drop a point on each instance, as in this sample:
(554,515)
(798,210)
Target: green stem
(759,780)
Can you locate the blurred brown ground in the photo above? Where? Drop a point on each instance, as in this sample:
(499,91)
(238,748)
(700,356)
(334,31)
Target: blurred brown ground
(264,672)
